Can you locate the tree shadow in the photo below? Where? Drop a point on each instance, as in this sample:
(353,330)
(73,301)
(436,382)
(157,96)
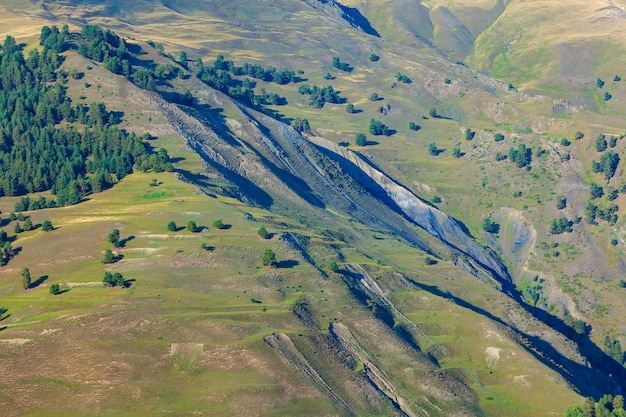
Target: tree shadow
(371,143)
(122,243)
(128,283)
(38,282)
(225,226)
(3,313)
(289,263)
(64,290)
(207,248)
(391,132)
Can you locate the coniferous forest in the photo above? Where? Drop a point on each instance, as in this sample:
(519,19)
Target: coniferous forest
(49,143)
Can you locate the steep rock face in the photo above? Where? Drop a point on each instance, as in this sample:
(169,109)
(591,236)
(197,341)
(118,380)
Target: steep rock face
(352,15)
(431,219)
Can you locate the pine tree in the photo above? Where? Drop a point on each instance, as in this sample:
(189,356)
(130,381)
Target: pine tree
(26,281)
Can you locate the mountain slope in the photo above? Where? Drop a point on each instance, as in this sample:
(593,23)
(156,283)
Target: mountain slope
(428,336)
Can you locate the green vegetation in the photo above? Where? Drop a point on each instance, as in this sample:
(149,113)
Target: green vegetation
(217,294)
(108,257)
(269,258)
(414,126)
(263,233)
(607,165)
(55,289)
(403,78)
(192,226)
(114,279)
(360,139)
(47,226)
(26,280)
(378,128)
(301,125)
(490,226)
(561,225)
(343,66)
(319,96)
(521,156)
(114,238)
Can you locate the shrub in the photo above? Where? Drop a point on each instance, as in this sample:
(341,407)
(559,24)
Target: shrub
(47,226)
(55,289)
(378,128)
(108,257)
(498,137)
(350,108)
(269,258)
(414,126)
(374,57)
(490,226)
(263,233)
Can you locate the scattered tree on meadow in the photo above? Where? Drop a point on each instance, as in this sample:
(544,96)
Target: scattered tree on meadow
(601,143)
(343,66)
(171,226)
(108,257)
(360,139)
(114,279)
(28,224)
(263,233)
(114,238)
(269,258)
(219,224)
(26,280)
(192,226)
(55,289)
(378,128)
(47,226)
(333,266)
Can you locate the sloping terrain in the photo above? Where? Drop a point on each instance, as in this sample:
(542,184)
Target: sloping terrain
(390,296)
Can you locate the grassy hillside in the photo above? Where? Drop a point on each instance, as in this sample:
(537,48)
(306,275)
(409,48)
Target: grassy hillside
(238,338)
